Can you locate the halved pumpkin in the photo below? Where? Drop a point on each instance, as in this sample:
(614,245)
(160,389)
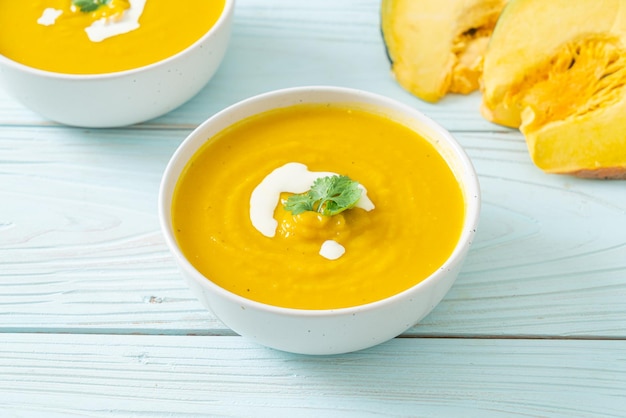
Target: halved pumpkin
(557,70)
(435,46)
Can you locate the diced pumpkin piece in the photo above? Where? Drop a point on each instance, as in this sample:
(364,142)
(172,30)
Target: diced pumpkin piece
(557,70)
(435,46)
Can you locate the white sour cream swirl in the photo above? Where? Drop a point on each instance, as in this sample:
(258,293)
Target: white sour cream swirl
(105,27)
(292,178)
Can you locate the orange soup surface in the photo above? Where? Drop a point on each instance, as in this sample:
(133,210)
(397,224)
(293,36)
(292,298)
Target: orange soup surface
(51,34)
(413,228)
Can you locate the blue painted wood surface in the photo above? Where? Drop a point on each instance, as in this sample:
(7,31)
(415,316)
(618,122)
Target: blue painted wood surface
(96,321)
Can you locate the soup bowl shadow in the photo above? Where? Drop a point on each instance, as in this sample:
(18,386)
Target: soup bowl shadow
(120,98)
(324,331)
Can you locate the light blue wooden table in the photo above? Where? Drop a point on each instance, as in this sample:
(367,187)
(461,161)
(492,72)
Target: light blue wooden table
(96,320)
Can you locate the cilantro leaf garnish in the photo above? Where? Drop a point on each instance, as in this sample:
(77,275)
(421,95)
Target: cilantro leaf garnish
(328,195)
(87,6)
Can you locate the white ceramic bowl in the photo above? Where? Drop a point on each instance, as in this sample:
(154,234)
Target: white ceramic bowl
(329,331)
(125,97)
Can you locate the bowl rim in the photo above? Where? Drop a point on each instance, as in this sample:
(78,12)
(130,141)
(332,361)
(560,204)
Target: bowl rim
(467,178)
(222,20)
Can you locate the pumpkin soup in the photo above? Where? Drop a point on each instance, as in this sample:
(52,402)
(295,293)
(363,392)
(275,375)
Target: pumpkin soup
(101,36)
(317,207)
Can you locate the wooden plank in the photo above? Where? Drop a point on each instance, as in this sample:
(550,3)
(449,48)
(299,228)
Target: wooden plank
(286,43)
(81,249)
(534,326)
(66,375)
(550,253)
(80,239)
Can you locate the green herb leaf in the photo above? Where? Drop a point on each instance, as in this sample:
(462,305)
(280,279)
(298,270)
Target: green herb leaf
(87,6)
(299,203)
(328,195)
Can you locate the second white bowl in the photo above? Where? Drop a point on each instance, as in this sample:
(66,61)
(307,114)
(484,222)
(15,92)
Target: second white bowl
(125,97)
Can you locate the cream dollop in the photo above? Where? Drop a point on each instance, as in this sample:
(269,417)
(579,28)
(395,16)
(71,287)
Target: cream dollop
(332,250)
(49,16)
(108,27)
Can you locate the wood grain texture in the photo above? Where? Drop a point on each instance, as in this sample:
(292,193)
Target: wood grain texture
(227,376)
(95,319)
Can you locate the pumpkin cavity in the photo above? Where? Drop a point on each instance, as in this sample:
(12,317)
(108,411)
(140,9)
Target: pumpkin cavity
(582,77)
(469,48)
